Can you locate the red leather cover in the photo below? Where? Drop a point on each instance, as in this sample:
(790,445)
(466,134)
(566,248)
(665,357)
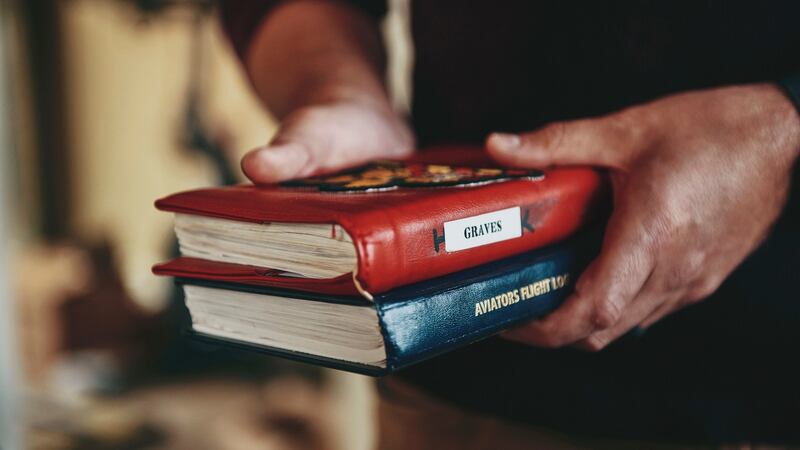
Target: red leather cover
(255,276)
(393,230)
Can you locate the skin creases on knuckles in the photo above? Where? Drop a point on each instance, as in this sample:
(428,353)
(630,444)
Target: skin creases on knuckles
(682,179)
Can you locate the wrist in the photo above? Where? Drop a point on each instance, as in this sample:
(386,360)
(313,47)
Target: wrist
(316,52)
(364,94)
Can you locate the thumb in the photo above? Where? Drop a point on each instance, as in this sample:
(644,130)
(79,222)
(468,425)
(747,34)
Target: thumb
(278,162)
(598,142)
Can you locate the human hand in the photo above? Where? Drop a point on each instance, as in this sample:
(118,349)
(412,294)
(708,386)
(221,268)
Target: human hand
(329,136)
(319,67)
(698,180)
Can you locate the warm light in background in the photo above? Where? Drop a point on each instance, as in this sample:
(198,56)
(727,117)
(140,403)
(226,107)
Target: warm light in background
(106,98)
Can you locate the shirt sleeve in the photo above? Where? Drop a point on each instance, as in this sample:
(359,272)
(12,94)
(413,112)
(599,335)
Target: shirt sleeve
(791,84)
(241,18)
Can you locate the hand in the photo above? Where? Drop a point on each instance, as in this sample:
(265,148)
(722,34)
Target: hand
(319,67)
(327,137)
(698,180)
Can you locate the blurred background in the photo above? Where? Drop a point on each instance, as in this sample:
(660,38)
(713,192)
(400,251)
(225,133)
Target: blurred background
(106,106)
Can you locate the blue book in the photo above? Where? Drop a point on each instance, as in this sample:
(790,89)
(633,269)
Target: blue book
(396,329)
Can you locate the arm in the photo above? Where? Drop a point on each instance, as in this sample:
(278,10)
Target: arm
(318,65)
(310,52)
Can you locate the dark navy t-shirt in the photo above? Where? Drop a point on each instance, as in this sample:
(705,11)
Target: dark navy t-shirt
(723,370)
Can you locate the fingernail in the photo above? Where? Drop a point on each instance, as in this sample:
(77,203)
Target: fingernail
(505,141)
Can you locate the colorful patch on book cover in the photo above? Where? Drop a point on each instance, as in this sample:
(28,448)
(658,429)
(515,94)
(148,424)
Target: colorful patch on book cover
(392,175)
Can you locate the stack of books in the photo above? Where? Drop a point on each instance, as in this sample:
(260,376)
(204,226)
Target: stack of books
(377,268)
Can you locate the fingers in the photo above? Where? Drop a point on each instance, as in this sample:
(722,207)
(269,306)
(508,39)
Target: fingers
(610,141)
(275,163)
(660,312)
(658,299)
(703,286)
(675,282)
(650,301)
(610,296)
(602,295)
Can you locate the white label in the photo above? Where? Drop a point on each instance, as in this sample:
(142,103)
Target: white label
(480,230)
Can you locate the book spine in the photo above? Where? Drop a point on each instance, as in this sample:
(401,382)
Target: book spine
(422,326)
(435,235)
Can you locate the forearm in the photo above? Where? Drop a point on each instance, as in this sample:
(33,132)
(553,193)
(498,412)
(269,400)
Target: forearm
(310,52)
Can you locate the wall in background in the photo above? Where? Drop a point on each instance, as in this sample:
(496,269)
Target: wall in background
(9,401)
(126,93)
(126,83)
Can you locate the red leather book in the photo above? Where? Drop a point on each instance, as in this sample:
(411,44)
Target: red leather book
(407,234)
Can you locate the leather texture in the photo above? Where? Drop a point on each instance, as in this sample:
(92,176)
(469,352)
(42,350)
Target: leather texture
(431,318)
(395,232)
